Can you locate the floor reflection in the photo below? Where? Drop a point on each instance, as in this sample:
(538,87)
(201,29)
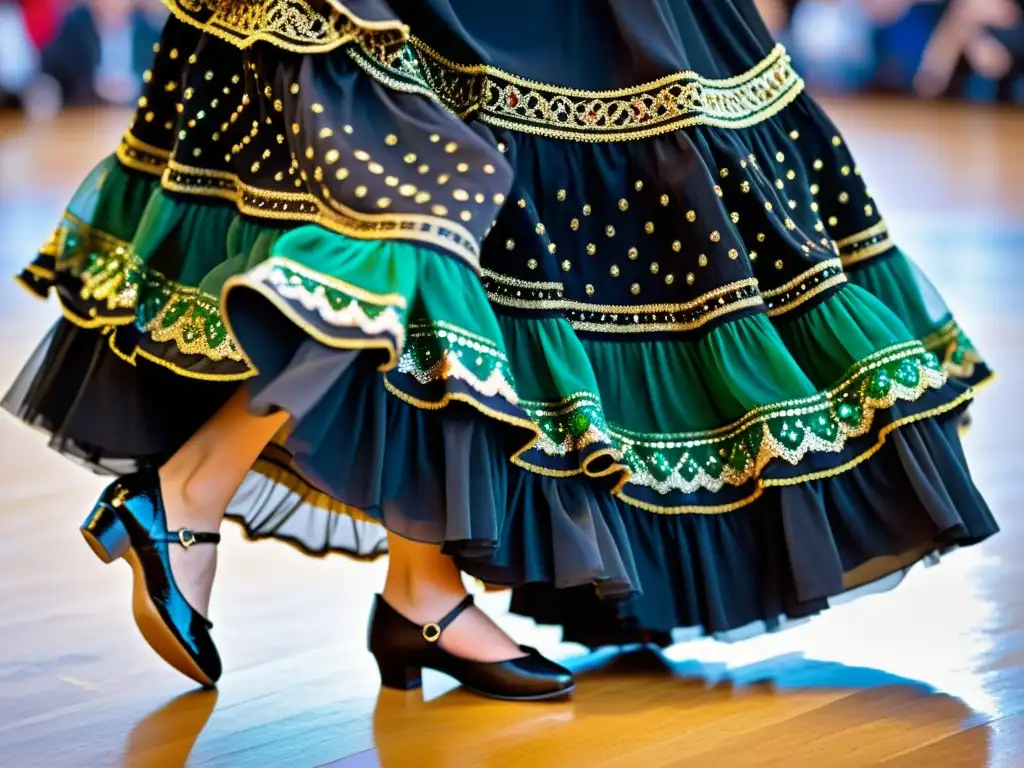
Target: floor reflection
(165,737)
(623,697)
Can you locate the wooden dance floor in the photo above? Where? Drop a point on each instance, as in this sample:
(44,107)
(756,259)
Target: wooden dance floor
(931,674)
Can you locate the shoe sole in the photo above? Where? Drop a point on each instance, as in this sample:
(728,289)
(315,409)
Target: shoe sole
(147,618)
(554,696)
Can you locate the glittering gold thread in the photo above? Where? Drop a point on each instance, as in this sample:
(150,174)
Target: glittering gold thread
(515,282)
(194,374)
(223,29)
(111,333)
(450,397)
(370,26)
(778,52)
(883,433)
(285,308)
(726,309)
(331,214)
(812,403)
(94,322)
(697,120)
(616,467)
(807,296)
(803,277)
(527,424)
(494,78)
(182,292)
(868,253)
(150,149)
(878,229)
(763,483)
(627,309)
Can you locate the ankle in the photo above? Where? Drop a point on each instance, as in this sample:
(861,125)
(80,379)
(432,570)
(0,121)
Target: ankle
(422,601)
(188,502)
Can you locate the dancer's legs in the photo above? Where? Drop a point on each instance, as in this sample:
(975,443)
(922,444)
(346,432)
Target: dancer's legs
(200,479)
(424,584)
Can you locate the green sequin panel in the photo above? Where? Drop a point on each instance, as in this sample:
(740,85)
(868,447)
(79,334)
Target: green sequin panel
(689,462)
(437,351)
(953,347)
(112,276)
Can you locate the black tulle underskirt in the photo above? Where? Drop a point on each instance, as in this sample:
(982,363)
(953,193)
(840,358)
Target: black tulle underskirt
(358,462)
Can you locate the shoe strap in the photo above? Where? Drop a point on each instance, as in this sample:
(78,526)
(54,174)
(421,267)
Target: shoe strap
(186,537)
(432,632)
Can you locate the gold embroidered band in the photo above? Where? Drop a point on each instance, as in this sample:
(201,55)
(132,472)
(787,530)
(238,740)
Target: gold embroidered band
(605,318)
(804,287)
(508,101)
(865,245)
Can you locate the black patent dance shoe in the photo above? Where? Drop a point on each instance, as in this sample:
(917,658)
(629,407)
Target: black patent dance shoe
(129,521)
(403,648)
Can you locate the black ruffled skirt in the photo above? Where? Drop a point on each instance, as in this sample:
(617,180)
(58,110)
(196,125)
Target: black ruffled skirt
(596,300)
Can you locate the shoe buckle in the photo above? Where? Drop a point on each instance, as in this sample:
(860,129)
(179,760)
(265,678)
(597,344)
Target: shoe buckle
(186,537)
(431,633)
(119,496)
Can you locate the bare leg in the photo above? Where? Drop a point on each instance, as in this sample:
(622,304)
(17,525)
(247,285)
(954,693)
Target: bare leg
(423,585)
(199,480)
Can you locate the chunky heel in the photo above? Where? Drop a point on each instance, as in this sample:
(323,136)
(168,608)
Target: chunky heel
(129,521)
(399,676)
(105,534)
(402,649)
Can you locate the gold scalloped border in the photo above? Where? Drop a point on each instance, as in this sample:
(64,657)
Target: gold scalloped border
(763,484)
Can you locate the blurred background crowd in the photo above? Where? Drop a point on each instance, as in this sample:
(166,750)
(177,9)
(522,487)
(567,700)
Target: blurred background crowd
(968,49)
(56,53)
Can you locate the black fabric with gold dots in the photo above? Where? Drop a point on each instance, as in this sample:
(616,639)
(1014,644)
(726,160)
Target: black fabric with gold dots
(285,140)
(677,234)
(673,235)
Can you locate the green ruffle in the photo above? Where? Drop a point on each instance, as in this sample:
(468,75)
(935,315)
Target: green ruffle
(675,417)
(438,316)
(689,416)
(893,280)
(834,336)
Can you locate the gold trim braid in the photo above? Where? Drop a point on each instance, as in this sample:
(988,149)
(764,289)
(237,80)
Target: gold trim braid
(508,101)
(865,245)
(293,25)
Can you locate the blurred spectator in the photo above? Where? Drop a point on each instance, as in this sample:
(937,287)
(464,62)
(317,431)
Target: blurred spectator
(18,57)
(101,50)
(42,17)
(959,48)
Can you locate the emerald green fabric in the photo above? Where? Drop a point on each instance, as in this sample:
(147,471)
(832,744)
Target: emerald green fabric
(831,338)
(892,280)
(691,386)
